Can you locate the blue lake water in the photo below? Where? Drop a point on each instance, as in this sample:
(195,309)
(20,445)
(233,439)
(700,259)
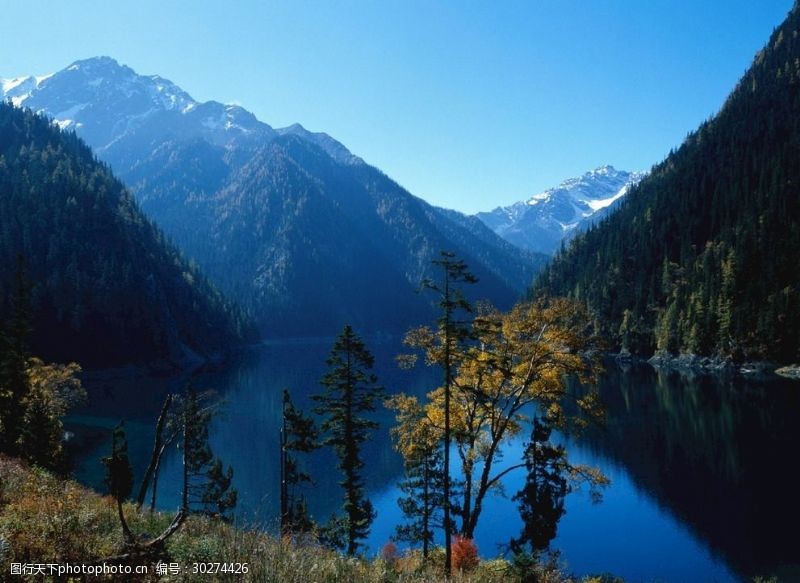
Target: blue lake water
(703,469)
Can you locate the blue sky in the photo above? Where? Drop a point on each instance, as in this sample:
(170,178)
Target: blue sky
(467,104)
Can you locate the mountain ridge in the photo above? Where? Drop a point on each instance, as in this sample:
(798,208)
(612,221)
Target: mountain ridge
(541,222)
(144,99)
(701,256)
(107,289)
(275,217)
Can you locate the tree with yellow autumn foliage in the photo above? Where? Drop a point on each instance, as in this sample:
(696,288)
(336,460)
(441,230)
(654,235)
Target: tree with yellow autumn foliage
(515,367)
(53,389)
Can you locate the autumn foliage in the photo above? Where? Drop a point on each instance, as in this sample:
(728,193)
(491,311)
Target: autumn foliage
(465,554)
(390,554)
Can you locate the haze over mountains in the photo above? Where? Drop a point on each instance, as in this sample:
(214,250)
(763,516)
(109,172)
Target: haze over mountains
(545,219)
(304,234)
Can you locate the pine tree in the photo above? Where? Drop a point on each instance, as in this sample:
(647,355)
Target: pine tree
(119,475)
(298,434)
(209,489)
(443,348)
(419,442)
(351,391)
(40,439)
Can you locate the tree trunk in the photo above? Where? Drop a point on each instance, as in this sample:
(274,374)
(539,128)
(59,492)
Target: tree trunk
(448,550)
(284,485)
(156,456)
(126,531)
(425,510)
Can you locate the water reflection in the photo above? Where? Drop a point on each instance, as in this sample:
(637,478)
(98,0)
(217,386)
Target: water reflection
(698,463)
(541,500)
(719,453)
(247,433)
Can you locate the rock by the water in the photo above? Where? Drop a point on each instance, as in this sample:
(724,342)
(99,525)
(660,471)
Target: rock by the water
(688,361)
(790,372)
(624,355)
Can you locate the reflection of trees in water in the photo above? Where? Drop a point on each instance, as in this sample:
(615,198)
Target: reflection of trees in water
(252,386)
(715,451)
(550,477)
(541,500)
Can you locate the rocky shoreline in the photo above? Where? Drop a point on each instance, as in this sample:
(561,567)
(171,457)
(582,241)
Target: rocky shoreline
(711,364)
(790,372)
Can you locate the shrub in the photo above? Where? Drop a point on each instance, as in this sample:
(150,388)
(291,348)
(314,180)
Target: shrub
(390,555)
(465,554)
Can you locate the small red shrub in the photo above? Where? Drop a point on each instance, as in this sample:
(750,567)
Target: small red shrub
(390,554)
(465,554)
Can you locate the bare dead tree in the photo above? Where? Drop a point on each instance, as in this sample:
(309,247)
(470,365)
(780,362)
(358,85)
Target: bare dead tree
(159,446)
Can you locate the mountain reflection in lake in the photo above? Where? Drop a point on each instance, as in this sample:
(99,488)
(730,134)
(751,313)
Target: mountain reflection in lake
(703,469)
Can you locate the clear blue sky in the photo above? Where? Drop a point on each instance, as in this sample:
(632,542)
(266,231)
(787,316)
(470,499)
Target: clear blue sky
(467,104)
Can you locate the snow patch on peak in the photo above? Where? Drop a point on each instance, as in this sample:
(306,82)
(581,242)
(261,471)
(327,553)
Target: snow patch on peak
(66,124)
(19,89)
(543,220)
(11,84)
(68,114)
(595,189)
(604,170)
(537,198)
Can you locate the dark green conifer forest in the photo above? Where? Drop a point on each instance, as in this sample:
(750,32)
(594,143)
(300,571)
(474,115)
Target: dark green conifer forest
(703,255)
(106,287)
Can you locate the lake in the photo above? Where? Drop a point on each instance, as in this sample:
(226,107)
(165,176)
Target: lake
(703,468)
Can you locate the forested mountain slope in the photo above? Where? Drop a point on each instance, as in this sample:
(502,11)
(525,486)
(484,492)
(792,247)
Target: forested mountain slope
(703,255)
(105,286)
(289,223)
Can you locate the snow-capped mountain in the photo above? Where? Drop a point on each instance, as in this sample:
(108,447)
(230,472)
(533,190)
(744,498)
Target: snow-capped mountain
(112,107)
(541,222)
(288,222)
(115,110)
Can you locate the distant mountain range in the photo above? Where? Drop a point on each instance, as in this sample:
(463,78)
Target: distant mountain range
(304,234)
(541,223)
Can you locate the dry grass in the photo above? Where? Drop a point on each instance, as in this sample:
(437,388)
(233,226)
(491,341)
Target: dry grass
(44,519)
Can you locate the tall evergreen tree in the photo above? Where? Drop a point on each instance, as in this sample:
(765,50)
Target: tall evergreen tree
(119,475)
(351,391)
(419,442)
(298,435)
(209,488)
(445,348)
